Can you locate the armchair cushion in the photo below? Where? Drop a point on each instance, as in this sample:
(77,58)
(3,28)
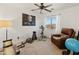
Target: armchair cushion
(68,31)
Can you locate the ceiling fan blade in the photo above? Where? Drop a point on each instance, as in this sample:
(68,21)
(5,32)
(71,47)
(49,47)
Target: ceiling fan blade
(35,9)
(48,5)
(48,10)
(37,5)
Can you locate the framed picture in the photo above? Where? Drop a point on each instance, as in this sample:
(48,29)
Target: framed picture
(28,20)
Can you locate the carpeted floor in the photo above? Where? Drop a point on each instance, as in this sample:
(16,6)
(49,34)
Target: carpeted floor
(44,47)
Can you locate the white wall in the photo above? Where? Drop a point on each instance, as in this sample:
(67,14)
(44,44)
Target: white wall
(70,18)
(15,14)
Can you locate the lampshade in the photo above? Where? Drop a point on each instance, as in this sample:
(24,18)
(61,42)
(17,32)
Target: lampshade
(5,23)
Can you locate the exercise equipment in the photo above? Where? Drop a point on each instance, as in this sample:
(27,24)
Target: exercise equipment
(72,44)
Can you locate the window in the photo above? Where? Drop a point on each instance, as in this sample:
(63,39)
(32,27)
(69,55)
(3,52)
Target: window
(50,22)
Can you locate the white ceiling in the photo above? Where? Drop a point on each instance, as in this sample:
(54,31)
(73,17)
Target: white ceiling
(30,6)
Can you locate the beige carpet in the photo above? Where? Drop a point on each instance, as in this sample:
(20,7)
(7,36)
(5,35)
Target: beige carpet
(41,48)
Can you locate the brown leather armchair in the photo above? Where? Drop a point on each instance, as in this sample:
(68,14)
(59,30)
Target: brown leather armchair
(59,39)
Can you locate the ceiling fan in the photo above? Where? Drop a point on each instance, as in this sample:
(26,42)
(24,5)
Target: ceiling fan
(42,7)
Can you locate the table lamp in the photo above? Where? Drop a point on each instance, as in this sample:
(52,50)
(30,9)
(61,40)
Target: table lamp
(5,24)
(7,44)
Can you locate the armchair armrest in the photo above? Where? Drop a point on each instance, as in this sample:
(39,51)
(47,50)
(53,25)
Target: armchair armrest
(57,35)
